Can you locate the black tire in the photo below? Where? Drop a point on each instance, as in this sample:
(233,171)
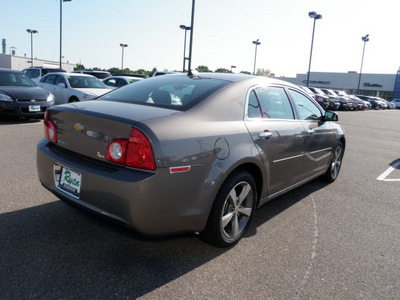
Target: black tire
(232,211)
(336,163)
(377,107)
(73,99)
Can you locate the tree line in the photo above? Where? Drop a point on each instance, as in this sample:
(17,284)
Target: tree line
(201,69)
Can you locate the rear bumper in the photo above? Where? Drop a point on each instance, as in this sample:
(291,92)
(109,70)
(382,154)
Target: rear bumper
(153,203)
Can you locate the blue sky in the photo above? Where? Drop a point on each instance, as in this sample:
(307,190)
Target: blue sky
(223,33)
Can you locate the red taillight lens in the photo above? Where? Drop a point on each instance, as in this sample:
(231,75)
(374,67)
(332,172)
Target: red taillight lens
(134,152)
(50,128)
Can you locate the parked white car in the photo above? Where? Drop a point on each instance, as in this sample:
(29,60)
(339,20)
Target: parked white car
(396,102)
(73,87)
(36,73)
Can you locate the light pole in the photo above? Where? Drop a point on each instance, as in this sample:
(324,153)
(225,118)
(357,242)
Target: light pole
(32,31)
(255,55)
(186,28)
(315,16)
(233,67)
(122,63)
(191,39)
(365,39)
(61,1)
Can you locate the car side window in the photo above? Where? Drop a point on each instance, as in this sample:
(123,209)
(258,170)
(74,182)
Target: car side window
(111,82)
(60,79)
(253,107)
(121,82)
(306,108)
(49,79)
(35,73)
(274,103)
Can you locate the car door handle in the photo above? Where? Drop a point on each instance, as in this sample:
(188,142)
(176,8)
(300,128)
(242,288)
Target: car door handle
(310,131)
(265,135)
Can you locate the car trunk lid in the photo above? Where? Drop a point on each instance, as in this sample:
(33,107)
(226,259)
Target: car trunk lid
(87,128)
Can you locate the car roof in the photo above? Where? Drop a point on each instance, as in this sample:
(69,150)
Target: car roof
(125,77)
(3,70)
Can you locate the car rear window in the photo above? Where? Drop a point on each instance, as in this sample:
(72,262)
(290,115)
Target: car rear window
(175,91)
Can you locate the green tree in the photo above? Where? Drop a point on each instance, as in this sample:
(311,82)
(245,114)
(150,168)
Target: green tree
(222,70)
(245,72)
(79,66)
(263,72)
(203,69)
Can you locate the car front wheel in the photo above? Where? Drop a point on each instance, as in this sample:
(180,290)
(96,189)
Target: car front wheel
(232,211)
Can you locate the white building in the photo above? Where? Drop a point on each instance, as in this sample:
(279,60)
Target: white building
(19,63)
(381,85)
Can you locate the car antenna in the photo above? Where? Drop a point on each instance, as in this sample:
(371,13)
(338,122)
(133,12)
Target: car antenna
(193,73)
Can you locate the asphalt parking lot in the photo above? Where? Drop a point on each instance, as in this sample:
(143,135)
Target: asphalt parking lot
(320,241)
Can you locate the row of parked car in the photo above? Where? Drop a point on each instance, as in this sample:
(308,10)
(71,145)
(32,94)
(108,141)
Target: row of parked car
(29,93)
(339,100)
(37,88)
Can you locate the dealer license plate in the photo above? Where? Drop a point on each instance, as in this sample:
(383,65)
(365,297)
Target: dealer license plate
(34,108)
(70,181)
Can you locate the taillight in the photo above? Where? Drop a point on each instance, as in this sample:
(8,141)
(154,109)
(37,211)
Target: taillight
(50,128)
(134,152)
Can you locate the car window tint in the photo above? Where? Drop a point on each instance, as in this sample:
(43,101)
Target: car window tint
(175,92)
(274,103)
(306,108)
(253,107)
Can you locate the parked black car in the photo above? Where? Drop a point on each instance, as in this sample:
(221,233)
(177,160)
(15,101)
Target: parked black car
(321,99)
(375,102)
(334,102)
(345,103)
(20,97)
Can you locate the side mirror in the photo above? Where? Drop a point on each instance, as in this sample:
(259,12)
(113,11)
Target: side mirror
(62,84)
(330,116)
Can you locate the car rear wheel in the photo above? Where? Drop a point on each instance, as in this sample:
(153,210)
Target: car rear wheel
(336,163)
(378,107)
(232,211)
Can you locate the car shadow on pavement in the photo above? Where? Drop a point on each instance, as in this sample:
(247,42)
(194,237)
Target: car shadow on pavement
(54,251)
(5,120)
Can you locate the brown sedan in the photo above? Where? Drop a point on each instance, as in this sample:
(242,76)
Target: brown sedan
(183,153)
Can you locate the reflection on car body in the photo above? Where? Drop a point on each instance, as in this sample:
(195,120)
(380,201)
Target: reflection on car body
(203,164)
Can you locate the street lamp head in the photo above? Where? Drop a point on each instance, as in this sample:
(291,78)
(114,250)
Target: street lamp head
(314,15)
(365,38)
(184,27)
(32,31)
(257,42)
(123,45)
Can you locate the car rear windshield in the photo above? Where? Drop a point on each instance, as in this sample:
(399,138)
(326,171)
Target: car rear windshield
(15,79)
(177,92)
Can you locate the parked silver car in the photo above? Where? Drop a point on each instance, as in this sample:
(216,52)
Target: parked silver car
(73,87)
(201,164)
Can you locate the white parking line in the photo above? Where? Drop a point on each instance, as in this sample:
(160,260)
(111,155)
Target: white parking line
(383,176)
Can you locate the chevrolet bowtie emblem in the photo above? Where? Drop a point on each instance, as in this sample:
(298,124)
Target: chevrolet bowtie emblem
(79,127)
(33,100)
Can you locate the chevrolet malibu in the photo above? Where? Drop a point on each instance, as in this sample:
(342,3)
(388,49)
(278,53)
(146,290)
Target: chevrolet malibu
(188,153)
